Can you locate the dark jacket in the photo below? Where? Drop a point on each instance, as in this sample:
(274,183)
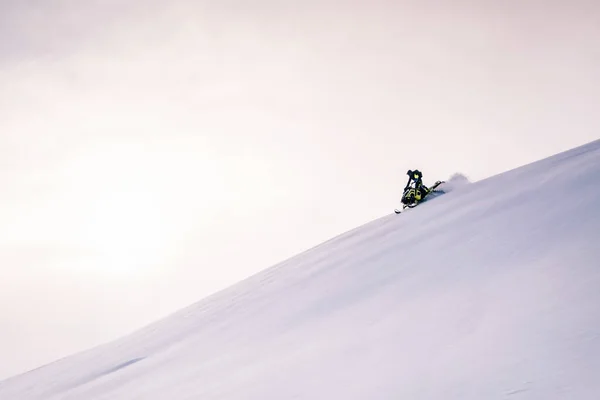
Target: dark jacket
(414,176)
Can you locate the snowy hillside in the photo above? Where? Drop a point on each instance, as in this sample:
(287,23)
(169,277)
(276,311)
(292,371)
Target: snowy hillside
(491,291)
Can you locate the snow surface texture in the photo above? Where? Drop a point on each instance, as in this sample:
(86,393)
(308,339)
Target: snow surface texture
(489,292)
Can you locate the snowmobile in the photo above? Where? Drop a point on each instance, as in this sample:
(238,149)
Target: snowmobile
(414,196)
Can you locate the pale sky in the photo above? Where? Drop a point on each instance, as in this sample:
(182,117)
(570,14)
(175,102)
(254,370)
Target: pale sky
(153,152)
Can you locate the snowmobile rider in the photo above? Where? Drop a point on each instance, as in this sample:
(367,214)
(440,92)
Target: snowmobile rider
(417,177)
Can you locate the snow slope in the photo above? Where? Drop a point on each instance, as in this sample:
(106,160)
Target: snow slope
(489,292)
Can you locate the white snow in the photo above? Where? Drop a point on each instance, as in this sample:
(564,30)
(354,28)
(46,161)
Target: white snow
(491,291)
